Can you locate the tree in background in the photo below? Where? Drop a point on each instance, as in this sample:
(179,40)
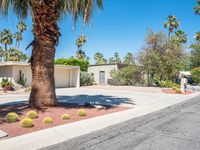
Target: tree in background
(45,16)
(1,53)
(161,58)
(6,38)
(21,26)
(129,59)
(73,62)
(115,59)
(99,58)
(180,37)
(16,55)
(195,52)
(197,8)
(80,54)
(171,24)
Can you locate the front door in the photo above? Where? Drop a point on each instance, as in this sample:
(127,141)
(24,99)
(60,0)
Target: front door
(102,78)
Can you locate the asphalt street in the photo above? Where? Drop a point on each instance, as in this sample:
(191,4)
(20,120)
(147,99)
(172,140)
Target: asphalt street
(174,128)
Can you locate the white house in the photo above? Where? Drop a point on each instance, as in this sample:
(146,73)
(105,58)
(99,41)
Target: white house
(65,76)
(101,73)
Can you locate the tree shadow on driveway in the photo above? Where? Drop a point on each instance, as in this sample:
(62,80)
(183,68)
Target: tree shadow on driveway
(95,100)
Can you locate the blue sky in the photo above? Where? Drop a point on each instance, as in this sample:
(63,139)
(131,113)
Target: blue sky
(120,27)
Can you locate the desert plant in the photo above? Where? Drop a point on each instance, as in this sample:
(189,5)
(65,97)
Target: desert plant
(86,79)
(47,120)
(12,117)
(32,114)
(65,117)
(22,79)
(82,112)
(178,91)
(27,123)
(196,75)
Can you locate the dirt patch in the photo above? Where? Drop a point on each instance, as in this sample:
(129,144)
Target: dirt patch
(170,91)
(14,129)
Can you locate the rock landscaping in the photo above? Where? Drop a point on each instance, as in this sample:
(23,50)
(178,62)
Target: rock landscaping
(19,119)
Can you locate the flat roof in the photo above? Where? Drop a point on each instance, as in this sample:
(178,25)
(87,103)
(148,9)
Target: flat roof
(25,64)
(105,64)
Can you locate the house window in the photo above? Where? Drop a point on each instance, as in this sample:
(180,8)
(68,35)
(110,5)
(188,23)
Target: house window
(92,74)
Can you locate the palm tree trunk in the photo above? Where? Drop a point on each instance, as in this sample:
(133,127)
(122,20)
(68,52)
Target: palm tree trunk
(6,53)
(46,36)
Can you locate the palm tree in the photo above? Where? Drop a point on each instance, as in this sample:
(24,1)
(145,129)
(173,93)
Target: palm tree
(6,38)
(81,41)
(16,55)
(197,8)
(45,16)
(1,54)
(80,54)
(18,37)
(197,37)
(99,58)
(181,37)
(129,59)
(171,24)
(21,26)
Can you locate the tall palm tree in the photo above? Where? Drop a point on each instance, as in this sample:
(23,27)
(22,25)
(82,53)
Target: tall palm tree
(197,37)
(45,16)
(18,37)
(181,36)
(81,41)
(80,54)
(197,8)
(6,38)
(21,26)
(1,54)
(171,24)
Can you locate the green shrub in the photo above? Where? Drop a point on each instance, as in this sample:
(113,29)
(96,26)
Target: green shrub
(27,123)
(174,88)
(74,62)
(196,75)
(6,82)
(82,112)
(178,91)
(168,84)
(65,117)
(12,117)
(32,114)
(131,75)
(47,120)
(85,79)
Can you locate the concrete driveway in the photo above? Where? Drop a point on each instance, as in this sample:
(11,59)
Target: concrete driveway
(123,96)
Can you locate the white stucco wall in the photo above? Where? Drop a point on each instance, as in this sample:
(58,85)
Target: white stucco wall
(96,71)
(64,76)
(26,70)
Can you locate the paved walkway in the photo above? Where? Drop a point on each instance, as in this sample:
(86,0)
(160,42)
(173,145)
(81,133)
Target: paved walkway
(142,103)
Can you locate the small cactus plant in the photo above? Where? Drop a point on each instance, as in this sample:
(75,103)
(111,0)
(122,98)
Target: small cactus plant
(65,117)
(22,79)
(47,120)
(32,115)
(12,117)
(82,112)
(27,123)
